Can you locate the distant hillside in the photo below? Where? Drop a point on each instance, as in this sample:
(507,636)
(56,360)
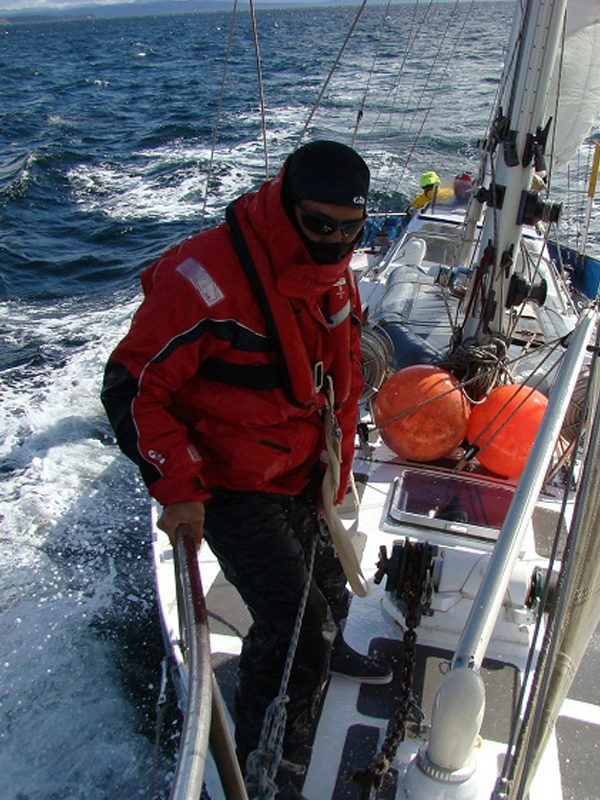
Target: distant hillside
(143,9)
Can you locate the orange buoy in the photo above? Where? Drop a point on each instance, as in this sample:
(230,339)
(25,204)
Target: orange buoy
(422,432)
(504,427)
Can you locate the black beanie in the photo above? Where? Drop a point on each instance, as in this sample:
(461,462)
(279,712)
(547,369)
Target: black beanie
(327,172)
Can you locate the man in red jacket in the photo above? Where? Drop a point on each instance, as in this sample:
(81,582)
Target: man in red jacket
(218,394)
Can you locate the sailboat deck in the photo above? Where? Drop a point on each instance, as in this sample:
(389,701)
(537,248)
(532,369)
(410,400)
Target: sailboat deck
(354,718)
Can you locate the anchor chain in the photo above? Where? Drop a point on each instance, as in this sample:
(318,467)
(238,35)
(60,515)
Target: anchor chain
(414,595)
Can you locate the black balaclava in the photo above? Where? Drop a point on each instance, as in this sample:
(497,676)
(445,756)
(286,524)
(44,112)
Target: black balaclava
(326,172)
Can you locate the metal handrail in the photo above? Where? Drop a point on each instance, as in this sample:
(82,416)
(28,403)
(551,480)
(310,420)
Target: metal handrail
(205,718)
(189,774)
(478,629)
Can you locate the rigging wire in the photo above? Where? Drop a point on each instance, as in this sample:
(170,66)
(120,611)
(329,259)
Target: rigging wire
(219,110)
(486,165)
(444,72)
(393,91)
(218,114)
(471,233)
(261,96)
(593,173)
(360,112)
(329,76)
(434,68)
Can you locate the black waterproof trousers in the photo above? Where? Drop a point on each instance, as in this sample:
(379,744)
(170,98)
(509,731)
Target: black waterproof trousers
(263,543)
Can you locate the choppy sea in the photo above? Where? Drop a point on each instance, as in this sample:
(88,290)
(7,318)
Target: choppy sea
(106,135)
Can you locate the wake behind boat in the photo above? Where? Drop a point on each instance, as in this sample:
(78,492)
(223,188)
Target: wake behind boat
(474,515)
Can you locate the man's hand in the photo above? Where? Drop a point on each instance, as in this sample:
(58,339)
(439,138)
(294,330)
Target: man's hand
(183,518)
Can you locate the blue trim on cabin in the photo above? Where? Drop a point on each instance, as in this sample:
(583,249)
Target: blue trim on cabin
(585,270)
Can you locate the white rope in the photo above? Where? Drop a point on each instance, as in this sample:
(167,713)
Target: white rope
(331,483)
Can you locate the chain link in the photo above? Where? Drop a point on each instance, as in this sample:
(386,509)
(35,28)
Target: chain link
(415,589)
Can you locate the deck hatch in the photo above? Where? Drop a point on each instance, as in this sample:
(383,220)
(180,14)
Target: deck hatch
(449,504)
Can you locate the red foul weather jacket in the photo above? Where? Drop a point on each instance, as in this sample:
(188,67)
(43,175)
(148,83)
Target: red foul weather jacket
(216,384)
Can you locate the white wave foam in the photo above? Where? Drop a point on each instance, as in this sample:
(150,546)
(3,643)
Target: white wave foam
(74,542)
(165,183)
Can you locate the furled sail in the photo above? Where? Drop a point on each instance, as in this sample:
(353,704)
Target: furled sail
(576,81)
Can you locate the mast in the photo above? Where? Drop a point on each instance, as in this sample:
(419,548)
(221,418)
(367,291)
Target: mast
(515,149)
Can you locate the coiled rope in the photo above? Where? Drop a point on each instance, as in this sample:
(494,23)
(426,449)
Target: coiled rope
(478,366)
(376,352)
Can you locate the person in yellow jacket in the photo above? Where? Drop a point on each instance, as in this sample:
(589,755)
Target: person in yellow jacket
(432,192)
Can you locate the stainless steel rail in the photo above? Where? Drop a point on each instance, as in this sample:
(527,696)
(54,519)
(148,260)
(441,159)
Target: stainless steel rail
(205,717)
(189,774)
(478,630)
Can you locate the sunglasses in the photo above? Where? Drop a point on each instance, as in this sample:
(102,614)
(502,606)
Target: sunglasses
(320,225)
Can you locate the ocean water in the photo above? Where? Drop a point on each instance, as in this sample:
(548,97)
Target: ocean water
(105,141)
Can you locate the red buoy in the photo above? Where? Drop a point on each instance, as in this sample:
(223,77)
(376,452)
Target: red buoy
(504,427)
(422,432)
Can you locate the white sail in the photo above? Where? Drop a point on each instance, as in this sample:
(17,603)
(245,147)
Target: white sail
(576,80)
